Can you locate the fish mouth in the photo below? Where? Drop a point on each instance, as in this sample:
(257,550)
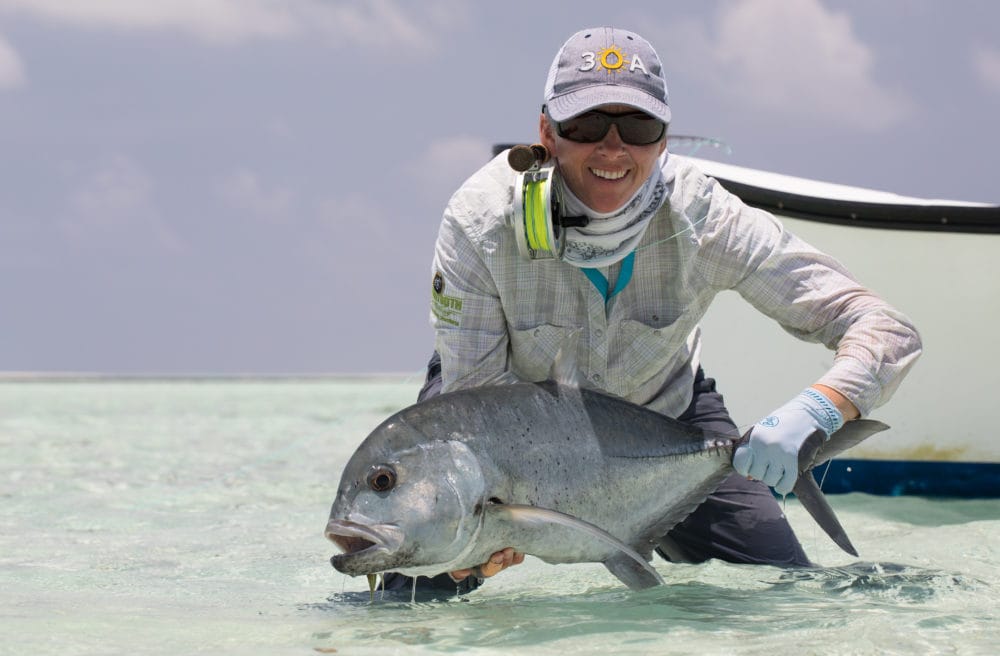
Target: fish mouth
(366,547)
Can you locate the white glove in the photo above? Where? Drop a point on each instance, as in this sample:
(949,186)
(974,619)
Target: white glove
(772,453)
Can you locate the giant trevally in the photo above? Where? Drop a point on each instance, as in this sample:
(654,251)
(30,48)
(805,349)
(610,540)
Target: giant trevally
(560,472)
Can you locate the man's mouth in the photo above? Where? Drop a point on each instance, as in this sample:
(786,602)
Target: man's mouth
(609,175)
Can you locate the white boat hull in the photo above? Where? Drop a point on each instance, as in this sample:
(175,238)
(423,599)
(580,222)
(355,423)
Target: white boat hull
(944,413)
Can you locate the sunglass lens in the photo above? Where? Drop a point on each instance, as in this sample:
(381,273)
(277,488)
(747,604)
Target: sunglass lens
(640,129)
(586,128)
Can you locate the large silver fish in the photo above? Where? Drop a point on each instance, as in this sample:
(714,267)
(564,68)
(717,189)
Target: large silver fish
(559,472)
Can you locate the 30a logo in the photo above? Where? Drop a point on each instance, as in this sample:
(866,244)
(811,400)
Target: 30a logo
(611,59)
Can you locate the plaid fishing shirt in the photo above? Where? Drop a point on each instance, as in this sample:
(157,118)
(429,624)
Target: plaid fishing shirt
(499,317)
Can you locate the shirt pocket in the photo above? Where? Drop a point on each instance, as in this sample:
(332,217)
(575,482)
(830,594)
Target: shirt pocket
(646,350)
(533,350)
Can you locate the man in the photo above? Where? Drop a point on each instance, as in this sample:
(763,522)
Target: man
(660,241)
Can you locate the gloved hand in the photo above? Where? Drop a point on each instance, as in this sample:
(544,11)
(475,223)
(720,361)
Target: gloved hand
(772,453)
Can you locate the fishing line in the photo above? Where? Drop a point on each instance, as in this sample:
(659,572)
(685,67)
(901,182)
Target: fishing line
(673,236)
(825,470)
(681,140)
(675,141)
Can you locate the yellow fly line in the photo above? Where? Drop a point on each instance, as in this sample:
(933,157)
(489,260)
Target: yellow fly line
(535,216)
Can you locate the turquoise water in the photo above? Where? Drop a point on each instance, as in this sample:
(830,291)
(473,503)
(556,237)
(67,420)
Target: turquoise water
(187,517)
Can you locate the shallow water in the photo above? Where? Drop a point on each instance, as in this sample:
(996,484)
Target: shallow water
(186,517)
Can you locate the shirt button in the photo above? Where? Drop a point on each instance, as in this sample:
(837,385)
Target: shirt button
(598,333)
(597,378)
(657,333)
(537,332)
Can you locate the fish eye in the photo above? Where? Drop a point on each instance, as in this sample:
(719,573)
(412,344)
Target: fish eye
(382,478)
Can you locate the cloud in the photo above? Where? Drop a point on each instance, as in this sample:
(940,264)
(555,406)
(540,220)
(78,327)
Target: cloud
(986,63)
(11,70)
(351,229)
(341,22)
(795,59)
(447,162)
(244,191)
(354,214)
(113,209)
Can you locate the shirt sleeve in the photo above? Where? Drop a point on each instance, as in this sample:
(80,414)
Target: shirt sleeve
(469,322)
(810,294)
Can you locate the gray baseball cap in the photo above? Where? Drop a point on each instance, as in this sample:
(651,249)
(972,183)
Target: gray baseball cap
(603,66)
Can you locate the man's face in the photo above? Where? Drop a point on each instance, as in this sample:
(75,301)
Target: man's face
(604,174)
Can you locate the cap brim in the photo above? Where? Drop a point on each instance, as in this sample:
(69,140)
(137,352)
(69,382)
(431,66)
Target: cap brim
(577,102)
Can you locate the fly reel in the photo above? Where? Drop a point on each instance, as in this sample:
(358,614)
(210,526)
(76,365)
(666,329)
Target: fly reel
(536,214)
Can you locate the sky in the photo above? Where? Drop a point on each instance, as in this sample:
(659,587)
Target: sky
(255,186)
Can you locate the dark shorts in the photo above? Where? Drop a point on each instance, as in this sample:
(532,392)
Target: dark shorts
(741,522)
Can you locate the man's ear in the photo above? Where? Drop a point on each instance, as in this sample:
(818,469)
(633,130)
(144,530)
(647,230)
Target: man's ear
(547,133)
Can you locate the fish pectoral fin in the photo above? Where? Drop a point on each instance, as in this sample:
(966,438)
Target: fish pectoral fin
(624,562)
(630,573)
(815,503)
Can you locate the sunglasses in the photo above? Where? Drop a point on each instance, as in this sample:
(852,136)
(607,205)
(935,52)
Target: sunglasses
(636,128)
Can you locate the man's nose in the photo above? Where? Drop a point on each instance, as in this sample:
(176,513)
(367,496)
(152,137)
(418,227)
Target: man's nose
(612,140)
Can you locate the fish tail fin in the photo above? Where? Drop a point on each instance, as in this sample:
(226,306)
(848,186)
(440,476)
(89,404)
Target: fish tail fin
(815,451)
(851,434)
(815,503)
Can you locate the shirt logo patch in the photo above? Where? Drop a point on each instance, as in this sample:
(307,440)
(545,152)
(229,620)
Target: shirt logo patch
(445,308)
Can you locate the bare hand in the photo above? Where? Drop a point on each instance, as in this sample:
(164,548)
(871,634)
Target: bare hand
(498,562)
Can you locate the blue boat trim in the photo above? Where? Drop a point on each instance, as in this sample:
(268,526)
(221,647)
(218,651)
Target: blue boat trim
(970,480)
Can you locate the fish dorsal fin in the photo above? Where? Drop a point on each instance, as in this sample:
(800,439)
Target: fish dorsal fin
(649,434)
(564,368)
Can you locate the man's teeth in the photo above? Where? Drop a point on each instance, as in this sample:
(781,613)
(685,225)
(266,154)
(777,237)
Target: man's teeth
(609,175)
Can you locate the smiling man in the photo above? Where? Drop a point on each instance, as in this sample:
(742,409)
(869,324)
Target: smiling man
(651,242)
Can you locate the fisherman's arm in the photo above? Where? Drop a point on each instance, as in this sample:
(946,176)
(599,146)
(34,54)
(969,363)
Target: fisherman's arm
(813,297)
(816,299)
(843,404)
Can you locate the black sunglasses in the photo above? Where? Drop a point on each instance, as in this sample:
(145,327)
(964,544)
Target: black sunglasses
(635,128)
